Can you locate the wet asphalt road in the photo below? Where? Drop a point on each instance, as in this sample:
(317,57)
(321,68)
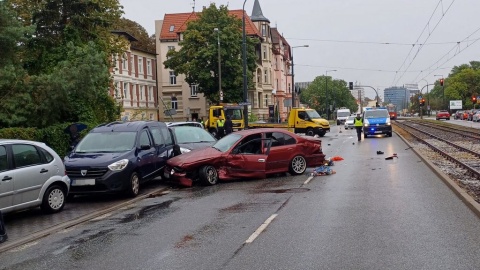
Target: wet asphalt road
(372,214)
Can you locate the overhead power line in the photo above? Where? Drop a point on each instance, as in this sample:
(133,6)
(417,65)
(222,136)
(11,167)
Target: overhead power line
(373,42)
(427,27)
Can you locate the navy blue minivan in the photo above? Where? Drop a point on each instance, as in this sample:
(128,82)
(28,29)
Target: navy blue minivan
(118,157)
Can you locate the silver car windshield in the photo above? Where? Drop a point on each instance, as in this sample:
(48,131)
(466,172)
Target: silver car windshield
(107,142)
(227,142)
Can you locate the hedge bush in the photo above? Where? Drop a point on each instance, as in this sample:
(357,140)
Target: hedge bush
(54,136)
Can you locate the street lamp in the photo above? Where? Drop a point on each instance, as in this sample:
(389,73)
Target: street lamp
(326,93)
(443,91)
(244,58)
(220,93)
(293,75)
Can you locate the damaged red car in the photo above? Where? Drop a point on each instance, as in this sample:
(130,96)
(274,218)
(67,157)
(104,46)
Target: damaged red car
(253,154)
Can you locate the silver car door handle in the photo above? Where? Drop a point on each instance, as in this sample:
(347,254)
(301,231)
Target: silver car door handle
(261,160)
(6,178)
(43,170)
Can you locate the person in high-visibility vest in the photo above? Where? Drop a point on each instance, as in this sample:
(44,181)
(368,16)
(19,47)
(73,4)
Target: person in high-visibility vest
(358,124)
(220,129)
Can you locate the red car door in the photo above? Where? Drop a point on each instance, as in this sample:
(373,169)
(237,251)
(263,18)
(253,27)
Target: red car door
(281,152)
(248,160)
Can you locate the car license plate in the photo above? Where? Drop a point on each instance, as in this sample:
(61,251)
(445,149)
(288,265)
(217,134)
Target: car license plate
(166,174)
(378,131)
(83,182)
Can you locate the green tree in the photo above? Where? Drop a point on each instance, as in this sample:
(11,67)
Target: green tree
(197,58)
(144,42)
(13,95)
(315,95)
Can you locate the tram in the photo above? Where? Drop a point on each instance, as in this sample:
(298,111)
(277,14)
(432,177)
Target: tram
(392,111)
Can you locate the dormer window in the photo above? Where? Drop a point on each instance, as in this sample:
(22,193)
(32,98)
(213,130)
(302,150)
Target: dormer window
(172,27)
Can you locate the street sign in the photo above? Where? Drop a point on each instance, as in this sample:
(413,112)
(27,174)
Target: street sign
(419,97)
(244,103)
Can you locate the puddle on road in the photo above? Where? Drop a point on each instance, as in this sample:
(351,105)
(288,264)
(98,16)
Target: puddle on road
(288,190)
(145,211)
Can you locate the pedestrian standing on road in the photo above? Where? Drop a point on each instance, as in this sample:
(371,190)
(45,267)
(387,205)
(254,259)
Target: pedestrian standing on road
(228,125)
(220,128)
(3,232)
(358,123)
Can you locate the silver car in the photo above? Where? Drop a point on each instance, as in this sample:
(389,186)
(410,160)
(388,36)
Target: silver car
(31,175)
(349,122)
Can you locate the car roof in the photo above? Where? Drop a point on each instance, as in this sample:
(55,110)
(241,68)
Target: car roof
(8,141)
(126,126)
(247,132)
(184,123)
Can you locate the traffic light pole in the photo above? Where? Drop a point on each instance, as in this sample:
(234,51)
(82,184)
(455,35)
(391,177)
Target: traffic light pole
(377,105)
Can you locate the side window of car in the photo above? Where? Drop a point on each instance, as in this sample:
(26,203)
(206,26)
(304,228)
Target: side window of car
(3,159)
(167,136)
(276,137)
(251,145)
(289,139)
(47,155)
(301,115)
(157,136)
(144,138)
(25,155)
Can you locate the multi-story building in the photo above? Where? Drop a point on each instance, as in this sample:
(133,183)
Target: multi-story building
(134,82)
(187,104)
(399,96)
(282,88)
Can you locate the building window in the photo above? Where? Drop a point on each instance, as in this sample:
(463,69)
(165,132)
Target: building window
(289,88)
(266,75)
(170,48)
(141,92)
(264,52)
(173,78)
(174,103)
(125,91)
(149,67)
(124,62)
(151,116)
(131,63)
(117,90)
(140,65)
(193,90)
(150,92)
(266,100)
(264,30)
(172,27)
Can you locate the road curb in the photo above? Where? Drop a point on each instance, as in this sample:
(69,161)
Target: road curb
(463,195)
(40,234)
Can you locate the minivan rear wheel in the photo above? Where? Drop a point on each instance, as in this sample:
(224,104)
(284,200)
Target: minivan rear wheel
(53,199)
(133,185)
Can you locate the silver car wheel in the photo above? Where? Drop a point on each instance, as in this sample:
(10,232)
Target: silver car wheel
(135,182)
(56,199)
(209,175)
(298,165)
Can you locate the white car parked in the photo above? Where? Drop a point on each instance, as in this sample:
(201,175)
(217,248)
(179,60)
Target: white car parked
(31,175)
(349,122)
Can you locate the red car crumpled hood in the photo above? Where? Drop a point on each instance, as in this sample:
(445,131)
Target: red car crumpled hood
(194,157)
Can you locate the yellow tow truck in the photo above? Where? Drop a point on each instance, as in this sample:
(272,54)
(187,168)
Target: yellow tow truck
(300,120)
(222,110)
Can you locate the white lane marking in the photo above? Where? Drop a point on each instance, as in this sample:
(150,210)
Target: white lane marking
(260,229)
(308,180)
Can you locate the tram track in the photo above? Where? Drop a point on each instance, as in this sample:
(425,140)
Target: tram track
(454,151)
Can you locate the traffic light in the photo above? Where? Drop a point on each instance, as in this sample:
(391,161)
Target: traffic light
(350,85)
(441,82)
(422,102)
(474,99)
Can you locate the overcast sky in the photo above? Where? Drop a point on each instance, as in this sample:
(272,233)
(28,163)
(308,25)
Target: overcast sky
(380,43)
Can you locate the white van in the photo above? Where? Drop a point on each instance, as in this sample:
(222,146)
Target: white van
(342,115)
